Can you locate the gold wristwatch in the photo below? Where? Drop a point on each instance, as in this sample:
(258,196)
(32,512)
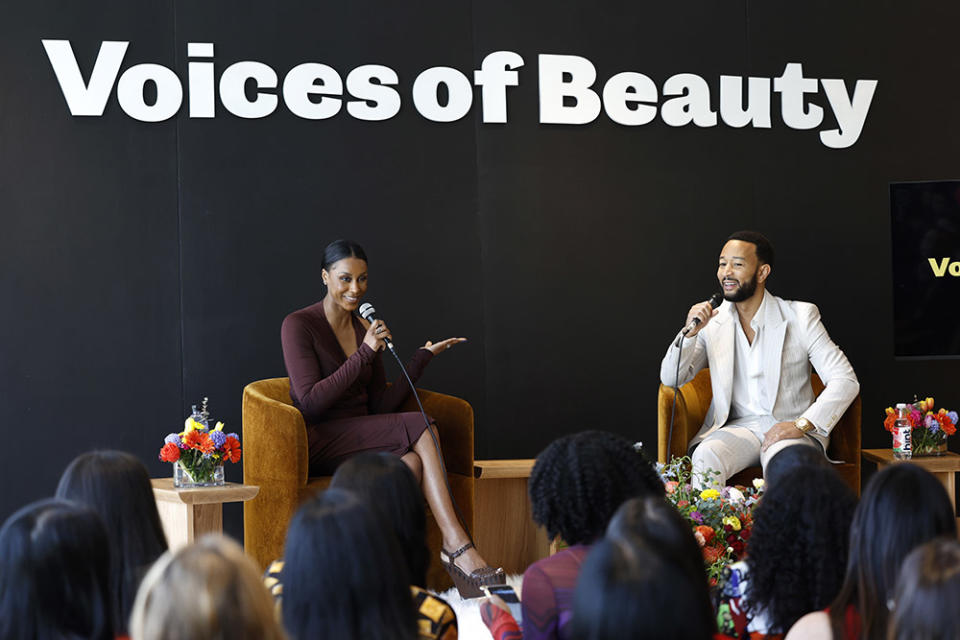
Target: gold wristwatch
(803,425)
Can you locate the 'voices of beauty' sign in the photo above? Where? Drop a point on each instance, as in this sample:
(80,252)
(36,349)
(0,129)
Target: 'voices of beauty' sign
(568,92)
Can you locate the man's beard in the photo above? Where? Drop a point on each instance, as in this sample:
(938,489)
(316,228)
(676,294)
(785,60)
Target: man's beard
(745,291)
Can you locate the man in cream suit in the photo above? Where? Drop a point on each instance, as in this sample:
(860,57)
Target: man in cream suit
(759,349)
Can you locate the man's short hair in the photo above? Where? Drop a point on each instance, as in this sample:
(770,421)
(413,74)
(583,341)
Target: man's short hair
(764,248)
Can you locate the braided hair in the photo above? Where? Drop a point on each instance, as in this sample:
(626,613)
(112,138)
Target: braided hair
(579,481)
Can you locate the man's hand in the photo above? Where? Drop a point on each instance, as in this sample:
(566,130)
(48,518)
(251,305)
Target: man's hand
(780,431)
(702,310)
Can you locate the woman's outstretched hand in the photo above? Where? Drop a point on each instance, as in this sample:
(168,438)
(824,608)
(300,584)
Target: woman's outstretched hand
(443,345)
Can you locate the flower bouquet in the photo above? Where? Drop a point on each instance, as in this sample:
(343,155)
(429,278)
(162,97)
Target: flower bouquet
(198,453)
(929,430)
(721,519)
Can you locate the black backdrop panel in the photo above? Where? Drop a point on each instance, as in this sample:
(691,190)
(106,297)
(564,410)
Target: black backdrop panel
(147,265)
(91,317)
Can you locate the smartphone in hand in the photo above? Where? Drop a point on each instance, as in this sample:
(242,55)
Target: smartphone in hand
(506,593)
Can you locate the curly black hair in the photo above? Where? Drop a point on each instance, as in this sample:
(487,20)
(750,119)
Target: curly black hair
(579,481)
(797,550)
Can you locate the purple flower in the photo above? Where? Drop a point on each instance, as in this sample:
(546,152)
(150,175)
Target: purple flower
(931,423)
(218,437)
(953,416)
(233,435)
(696,517)
(174,438)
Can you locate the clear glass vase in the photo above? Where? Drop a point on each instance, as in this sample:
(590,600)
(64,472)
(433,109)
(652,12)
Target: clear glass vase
(187,476)
(926,444)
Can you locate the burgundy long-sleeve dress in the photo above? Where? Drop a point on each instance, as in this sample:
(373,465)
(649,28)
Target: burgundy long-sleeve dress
(345,401)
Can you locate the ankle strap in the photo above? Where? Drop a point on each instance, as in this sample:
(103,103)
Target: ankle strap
(459,552)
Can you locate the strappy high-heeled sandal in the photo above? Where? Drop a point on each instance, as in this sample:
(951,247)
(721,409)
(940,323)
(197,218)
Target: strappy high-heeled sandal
(468,584)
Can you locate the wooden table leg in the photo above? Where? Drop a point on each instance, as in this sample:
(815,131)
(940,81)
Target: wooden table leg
(949,480)
(505,532)
(184,523)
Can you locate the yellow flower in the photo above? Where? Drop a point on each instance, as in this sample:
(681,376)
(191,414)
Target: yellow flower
(928,403)
(709,494)
(191,425)
(889,410)
(733,521)
(758,483)
(219,426)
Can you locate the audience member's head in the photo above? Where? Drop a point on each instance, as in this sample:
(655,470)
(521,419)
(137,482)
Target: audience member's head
(343,575)
(902,507)
(579,481)
(925,606)
(208,590)
(54,574)
(117,486)
(792,458)
(386,485)
(644,580)
(798,547)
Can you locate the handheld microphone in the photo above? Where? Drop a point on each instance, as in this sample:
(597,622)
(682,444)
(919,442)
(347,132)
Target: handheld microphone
(715,301)
(367,313)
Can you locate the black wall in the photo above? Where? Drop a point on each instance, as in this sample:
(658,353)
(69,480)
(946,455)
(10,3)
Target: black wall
(147,265)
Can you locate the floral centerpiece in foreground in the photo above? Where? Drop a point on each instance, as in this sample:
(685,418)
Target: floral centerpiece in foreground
(929,429)
(198,453)
(721,519)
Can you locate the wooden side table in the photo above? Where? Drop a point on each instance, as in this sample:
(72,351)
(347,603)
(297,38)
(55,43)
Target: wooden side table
(504,529)
(187,514)
(944,467)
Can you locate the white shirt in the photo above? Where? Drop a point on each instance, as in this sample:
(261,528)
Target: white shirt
(749,398)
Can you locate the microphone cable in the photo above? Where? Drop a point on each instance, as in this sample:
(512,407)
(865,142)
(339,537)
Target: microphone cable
(676,392)
(436,443)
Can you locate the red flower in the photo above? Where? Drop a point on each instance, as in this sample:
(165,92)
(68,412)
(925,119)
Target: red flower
(707,532)
(231,450)
(200,441)
(683,503)
(169,453)
(711,554)
(890,421)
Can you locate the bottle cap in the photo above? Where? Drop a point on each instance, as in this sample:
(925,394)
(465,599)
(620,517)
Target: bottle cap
(901,405)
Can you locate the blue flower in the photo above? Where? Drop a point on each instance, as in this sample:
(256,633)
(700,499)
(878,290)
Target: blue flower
(953,416)
(218,437)
(173,437)
(233,435)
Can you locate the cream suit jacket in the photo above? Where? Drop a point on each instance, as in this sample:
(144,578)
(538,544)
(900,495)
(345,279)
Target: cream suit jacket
(794,339)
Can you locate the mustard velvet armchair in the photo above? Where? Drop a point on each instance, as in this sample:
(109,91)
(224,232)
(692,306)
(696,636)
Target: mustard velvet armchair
(275,457)
(692,405)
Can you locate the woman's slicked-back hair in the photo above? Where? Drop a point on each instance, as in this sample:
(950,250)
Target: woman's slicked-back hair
(579,481)
(798,546)
(340,249)
(926,595)
(343,576)
(902,507)
(117,486)
(208,590)
(386,485)
(645,579)
(54,574)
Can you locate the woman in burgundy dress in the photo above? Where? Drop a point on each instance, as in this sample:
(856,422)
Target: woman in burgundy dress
(337,382)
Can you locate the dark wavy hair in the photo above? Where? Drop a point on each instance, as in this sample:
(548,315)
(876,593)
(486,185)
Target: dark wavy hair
(645,579)
(798,547)
(389,488)
(579,481)
(54,574)
(340,249)
(764,247)
(902,507)
(117,486)
(343,576)
(926,594)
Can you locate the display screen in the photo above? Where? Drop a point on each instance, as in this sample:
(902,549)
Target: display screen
(925,236)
